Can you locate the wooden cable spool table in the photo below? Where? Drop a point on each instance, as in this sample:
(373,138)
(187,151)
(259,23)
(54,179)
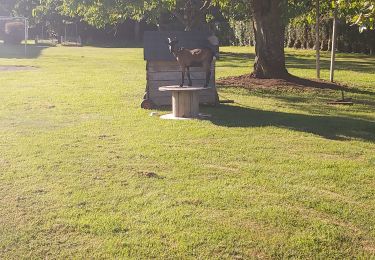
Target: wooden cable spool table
(185,102)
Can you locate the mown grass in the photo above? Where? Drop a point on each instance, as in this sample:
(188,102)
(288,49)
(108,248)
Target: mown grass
(85,173)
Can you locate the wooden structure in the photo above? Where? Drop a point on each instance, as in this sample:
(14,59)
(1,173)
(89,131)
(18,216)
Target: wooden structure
(163,69)
(185,101)
(5,20)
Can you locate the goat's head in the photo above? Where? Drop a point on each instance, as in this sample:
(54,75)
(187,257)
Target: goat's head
(172,44)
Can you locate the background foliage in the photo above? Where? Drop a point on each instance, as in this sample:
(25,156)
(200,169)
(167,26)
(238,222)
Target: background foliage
(230,20)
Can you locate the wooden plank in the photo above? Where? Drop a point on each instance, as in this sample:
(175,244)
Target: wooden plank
(175,68)
(166,73)
(160,66)
(194,104)
(167,100)
(167,76)
(206,96)
(162,101)
(161,83)
(156,93)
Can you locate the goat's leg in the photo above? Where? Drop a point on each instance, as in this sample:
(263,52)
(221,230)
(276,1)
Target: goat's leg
(188,74)
(183,76)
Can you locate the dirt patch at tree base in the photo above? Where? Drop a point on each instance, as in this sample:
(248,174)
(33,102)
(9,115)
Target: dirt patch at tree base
(291,83)
(16,68)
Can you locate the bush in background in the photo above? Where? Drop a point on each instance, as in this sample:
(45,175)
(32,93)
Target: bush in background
(14,32)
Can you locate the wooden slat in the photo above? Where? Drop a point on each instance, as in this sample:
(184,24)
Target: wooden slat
(162,101)
(167,76)
(167,93)
(174,68)
(161,83)
(160,66)
(167,100)
(167,73)
(156,93)
(164,97)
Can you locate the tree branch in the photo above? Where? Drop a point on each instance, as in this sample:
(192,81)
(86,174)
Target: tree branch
(205,6)
(179,17)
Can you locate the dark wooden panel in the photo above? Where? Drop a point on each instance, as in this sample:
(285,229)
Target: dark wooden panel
(162,66)
(162,101)
(161,83)
(154,92)
(167,76)
(161,98)
(167,100)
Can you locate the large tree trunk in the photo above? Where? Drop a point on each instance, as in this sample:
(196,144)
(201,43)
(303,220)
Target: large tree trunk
(269,31)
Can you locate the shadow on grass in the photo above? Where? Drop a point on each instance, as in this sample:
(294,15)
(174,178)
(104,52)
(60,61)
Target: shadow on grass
(330,127)
(268,85)
(232,59)
(115,45)
(233,56)
(308,83)
(18,51)
(366,64)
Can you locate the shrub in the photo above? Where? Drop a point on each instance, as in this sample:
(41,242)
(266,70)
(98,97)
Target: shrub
(14,32)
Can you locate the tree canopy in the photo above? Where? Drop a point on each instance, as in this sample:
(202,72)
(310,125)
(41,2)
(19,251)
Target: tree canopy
(269,16)
(189,13)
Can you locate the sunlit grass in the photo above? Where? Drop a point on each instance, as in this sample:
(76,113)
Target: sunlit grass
(86,173)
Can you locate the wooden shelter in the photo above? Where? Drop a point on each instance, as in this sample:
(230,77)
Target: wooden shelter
(163,69)
(7,19)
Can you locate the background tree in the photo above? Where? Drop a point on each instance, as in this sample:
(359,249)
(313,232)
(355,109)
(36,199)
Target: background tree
(269,18)
(48,15)
(192,14)
(269,28)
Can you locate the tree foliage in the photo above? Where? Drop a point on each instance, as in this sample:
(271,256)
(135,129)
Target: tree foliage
(100,13)
(362,13)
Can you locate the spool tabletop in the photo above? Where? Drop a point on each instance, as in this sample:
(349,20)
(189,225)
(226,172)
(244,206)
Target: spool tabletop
(185,101)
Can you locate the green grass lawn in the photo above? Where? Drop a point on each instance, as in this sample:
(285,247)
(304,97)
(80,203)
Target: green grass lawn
(278,174)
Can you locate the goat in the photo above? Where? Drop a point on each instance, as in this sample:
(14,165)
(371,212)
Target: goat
(187,58)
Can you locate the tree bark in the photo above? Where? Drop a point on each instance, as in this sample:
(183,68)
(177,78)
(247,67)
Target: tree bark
(317,38)
(269,31)
(334,43)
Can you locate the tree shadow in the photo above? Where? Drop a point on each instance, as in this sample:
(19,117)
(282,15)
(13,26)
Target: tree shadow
(233,59)
(329,127)
(270,85)
(116,45)
(236,56)
(320,84)
(367,63)
(18,51)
